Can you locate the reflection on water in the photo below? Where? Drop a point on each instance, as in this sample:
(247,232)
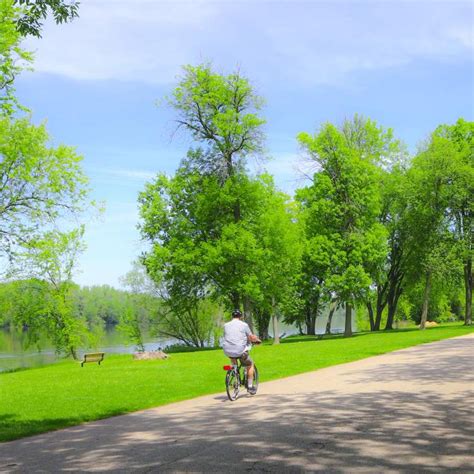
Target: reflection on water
(16,352)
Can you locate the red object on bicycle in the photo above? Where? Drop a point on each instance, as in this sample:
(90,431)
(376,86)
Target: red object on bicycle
(227,367)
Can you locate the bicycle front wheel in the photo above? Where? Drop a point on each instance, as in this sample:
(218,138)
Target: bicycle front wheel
(232,384)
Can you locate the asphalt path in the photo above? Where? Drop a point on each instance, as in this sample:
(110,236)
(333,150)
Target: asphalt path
(409,411)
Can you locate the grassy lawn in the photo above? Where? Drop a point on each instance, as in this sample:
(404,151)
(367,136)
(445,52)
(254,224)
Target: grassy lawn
(64,394)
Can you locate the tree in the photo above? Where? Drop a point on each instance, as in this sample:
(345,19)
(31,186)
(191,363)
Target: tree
(33,12)
(39,185)
(52,260)
(390,278)
(13,59)
(141,307)
(198,250)
(279,265)
(197,324)
(311,292)
(344,203)
(461,199)
(440,200)
(379,146)
(221,113)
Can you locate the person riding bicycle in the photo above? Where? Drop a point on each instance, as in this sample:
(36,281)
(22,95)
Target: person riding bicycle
(236,340)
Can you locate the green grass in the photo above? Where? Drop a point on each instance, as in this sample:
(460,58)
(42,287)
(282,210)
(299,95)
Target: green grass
(64,394)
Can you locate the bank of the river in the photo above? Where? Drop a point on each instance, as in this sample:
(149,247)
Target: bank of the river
(16,352)
(64,394)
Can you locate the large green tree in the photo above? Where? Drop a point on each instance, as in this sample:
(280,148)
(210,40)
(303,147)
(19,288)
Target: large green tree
(440,219)
(211,200)
(39,184)
(380,147)
(198,250)
(343,203)
(280,248)
(460,211)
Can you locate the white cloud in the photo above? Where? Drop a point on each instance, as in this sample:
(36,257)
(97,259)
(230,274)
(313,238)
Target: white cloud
(310,42)
(140,175)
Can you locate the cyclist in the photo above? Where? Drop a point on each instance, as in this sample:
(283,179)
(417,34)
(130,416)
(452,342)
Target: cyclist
(236,340)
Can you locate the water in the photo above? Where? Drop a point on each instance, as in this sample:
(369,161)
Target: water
(15,354)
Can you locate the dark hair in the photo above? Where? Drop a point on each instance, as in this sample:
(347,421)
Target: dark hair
(236,313)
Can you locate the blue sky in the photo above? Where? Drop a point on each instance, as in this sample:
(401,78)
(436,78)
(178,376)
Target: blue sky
(407,65)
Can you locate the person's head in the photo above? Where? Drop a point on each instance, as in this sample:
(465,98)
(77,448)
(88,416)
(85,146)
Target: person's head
(236,313)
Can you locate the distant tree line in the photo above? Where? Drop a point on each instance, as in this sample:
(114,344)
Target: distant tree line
(80,320)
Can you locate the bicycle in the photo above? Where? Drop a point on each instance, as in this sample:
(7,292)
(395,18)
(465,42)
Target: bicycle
(236,377)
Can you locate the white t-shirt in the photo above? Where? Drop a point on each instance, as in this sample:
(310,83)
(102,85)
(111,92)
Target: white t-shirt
(235,338)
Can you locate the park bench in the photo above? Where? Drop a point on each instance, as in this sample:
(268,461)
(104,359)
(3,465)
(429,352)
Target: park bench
(93,357)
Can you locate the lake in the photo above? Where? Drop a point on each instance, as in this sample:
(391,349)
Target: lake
(15,354)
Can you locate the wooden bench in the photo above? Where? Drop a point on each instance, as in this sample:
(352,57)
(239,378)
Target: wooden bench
(93,357)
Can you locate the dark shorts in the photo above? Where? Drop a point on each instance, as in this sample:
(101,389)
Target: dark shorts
(245,359)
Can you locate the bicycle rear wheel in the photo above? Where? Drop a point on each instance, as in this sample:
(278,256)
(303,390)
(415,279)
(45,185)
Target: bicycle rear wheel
(232,384)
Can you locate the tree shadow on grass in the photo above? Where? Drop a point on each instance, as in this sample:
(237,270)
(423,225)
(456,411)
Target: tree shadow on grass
(13,427)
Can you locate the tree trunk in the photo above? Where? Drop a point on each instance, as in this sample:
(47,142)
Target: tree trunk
(426,297)
(72,351)
(394,292)
(263,334)
(370,311)
(390,291)
(348,325)
(331,314)
(248,313)
(276,331)
(392,305)
(235,299)
(390,318)
(310,322)
(381,302)
(262,321)
(468,282)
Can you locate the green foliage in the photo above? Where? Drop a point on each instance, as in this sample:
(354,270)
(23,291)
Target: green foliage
(340,208)
(33,12)
(215,231)
(35,305)
(221,113)
(53,258)
(141,308)
(439,196)
(41,185)
(197,324)
(199,250)
(13,59)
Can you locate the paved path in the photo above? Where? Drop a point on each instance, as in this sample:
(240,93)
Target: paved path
(408,411)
